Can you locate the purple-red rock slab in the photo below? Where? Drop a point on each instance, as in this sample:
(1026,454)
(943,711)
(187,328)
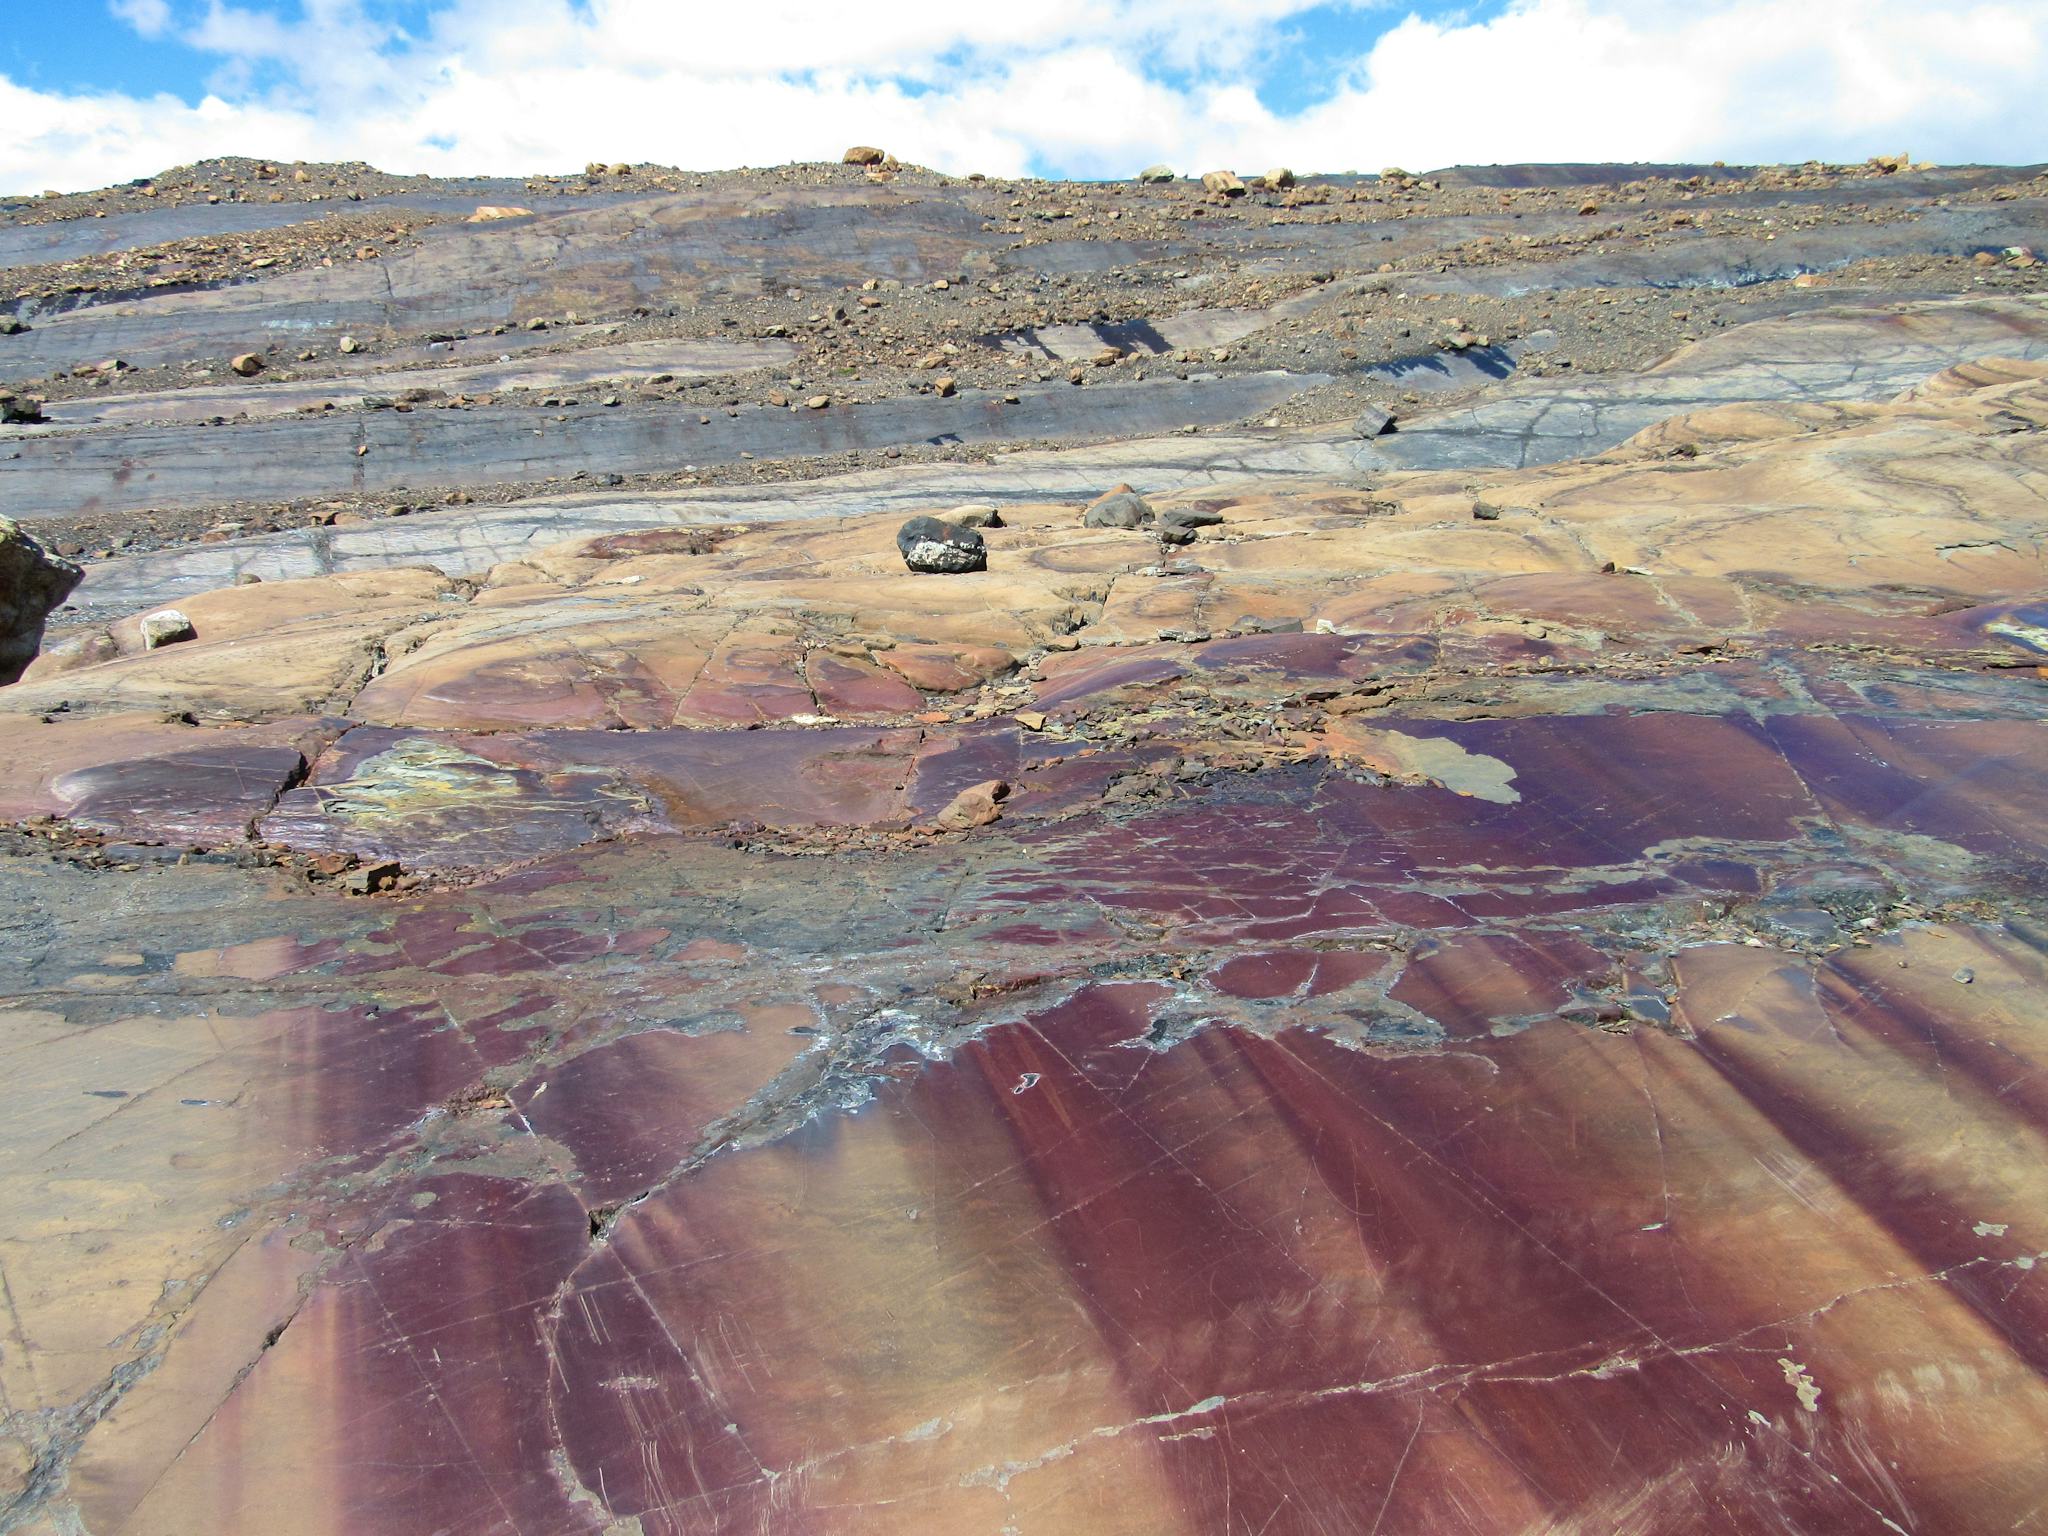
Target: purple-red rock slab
(847,776)
(849,687)
(1271,660)
(445,800)
(1976,784)
(142,778)
(1069,1279)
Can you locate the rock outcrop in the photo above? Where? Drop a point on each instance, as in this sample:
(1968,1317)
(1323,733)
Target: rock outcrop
(1478,978)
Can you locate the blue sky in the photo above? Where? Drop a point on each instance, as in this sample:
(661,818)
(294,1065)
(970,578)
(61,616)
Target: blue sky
(98,51)
(1053,87)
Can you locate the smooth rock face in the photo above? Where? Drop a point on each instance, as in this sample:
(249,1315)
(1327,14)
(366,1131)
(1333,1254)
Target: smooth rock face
(1156,173)
(946,548)
(32,582)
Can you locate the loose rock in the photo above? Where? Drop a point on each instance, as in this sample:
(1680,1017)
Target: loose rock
(366,878)
(863,154)
(1187,520)
(20,409)
(1225,182)
(1119,508)
(167,626)
(940,548)
(975,806)
(976,514)
(1373,422)
(1153,173)
(32,582)
(248,365)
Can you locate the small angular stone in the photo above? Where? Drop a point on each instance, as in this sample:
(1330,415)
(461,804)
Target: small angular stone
(167,626)
(975,806)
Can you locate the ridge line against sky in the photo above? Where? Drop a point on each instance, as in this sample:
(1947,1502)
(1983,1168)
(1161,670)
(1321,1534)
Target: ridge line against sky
(110,90)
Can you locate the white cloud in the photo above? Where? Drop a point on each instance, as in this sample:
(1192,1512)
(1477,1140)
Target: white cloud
(152,18)
(1079,87)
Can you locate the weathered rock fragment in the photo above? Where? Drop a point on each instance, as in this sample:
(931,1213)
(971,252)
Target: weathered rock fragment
(1177,525)
(1154,173)
(167,626)
(940,548)
(32,582)
(1373,422)
(20,409)
(377,875)
(1226,182)
(863,154)
(975,806)
(248,364)
(1118,508)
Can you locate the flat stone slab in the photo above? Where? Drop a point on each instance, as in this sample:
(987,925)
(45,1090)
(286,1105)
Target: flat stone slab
(622,361)
(122,468)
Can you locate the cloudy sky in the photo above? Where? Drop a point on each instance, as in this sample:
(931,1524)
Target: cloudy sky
(97,91)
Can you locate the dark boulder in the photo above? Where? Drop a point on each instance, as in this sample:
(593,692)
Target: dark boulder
(1119,509)
(32,582)
(940,548)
